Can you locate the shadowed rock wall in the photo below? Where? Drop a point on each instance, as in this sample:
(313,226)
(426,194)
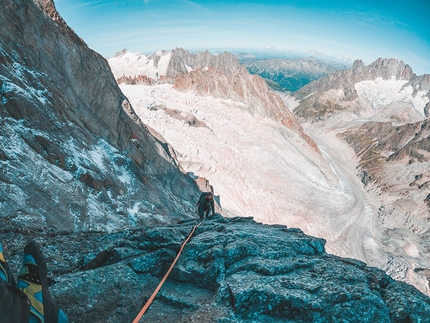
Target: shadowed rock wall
(74,155)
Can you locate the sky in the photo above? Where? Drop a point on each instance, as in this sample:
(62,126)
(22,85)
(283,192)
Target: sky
(339,29)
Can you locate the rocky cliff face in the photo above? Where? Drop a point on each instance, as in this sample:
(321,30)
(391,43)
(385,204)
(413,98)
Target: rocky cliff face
(421,83)
(232,270)
(74,155)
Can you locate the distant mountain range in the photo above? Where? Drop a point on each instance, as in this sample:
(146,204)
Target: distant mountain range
(281,74)
(290,74)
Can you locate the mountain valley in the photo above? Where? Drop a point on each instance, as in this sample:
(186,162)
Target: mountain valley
(290,74)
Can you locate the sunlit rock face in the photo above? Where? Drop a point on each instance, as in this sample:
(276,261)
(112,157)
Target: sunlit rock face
(74,154)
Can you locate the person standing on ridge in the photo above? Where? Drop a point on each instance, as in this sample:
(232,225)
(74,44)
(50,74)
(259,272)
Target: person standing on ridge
(206,204)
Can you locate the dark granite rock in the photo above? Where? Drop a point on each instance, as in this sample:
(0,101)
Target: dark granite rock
(232,270)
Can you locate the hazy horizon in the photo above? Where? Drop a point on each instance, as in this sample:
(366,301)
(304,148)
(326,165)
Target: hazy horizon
(342,30)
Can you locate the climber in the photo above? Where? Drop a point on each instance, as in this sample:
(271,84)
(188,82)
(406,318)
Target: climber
(29,300)
(206,204)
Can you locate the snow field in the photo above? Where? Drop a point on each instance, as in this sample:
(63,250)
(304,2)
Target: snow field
(258,167)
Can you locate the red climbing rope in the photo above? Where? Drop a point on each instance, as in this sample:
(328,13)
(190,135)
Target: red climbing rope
(150,300)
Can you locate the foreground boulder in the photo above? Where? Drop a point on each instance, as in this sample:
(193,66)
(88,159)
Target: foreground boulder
(232,270)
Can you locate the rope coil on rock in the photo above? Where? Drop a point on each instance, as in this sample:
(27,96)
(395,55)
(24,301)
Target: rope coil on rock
(154,294)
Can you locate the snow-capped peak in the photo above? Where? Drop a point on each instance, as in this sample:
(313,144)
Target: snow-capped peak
(132,64)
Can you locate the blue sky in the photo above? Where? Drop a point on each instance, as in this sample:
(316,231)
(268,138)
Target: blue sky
(365,29)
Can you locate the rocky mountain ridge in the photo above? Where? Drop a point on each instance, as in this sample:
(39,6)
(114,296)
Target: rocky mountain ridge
(165,66)
(182,62)
(243,87)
